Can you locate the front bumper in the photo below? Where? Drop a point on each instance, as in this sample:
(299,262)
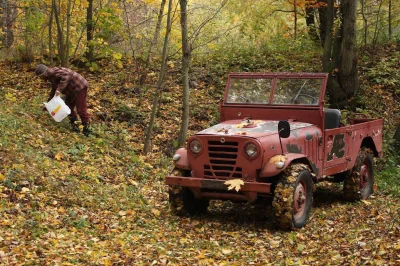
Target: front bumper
(216,189)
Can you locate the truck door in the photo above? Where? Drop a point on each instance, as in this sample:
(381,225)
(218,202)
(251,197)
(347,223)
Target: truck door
(336,147)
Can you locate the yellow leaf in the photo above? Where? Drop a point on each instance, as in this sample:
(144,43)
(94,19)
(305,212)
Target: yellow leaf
(25,190)
(155,212)
(1,177)
(117,56)
(17,166)
(226,251)
(61,210)
(234,184)
(278,158)
(366,202)
(58,156)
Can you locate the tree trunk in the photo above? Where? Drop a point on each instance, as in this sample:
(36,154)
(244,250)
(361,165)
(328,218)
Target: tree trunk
(376,31)
(163,70)
(328,39)
(156,32)
(327,61)
(9,13)
(310,21)
(390,20)
(143,77)
(186,53)
(365,22)
(295,18)
(89,31)
(51,34)
(348,57)
(340,54)
(68,33)
(396,136)
(322,12)
(60,38)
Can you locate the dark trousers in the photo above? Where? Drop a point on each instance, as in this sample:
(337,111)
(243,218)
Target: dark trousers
(78,100)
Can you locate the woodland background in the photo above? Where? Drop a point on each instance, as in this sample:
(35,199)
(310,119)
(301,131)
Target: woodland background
(157,71)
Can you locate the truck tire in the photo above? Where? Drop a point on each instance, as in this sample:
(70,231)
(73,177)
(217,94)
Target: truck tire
(293,197)
(182,201)
(359,184)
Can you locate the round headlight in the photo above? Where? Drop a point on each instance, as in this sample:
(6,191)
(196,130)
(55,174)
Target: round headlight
(251,150)
(195,146)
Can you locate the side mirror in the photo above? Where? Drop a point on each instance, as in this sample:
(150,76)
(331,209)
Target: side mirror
(284,129)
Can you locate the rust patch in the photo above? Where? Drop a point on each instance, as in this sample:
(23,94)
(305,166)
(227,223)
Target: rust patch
(338,147)
(293,148)
(309,136)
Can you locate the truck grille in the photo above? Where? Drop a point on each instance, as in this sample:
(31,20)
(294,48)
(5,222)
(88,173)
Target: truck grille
(222,160)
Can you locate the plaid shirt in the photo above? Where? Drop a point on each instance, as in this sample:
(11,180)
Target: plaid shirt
(65,81)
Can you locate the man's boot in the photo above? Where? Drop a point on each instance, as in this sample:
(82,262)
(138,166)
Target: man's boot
(86,131)
(74,126)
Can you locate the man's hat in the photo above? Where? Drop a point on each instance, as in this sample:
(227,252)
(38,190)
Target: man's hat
(41,69)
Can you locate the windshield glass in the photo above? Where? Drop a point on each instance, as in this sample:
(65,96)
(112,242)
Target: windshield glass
(287,91)
(244,90)
(297,91)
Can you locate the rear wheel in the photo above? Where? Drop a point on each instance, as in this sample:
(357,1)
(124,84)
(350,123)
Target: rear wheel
(293,197)
(182,201)
(359,184)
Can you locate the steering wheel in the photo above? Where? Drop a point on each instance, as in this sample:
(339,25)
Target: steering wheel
(246,100)
(294,100)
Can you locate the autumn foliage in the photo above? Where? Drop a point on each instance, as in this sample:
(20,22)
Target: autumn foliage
(66,199)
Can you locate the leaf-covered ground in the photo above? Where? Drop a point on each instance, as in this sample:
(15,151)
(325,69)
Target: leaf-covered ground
(70,200)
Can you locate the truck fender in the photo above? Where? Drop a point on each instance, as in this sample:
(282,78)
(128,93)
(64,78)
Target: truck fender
(270,168)
(368,143)
(182,162)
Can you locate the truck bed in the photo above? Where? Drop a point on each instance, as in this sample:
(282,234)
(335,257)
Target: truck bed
(342,144)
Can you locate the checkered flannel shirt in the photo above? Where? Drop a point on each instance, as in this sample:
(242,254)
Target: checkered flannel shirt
(66,81)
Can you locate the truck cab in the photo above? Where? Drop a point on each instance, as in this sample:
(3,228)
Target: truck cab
(275,139)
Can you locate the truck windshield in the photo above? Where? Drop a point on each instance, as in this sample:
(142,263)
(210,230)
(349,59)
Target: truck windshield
(297,91)
(249,90)
(288,90)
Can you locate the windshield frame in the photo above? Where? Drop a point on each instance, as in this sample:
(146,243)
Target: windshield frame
(275,77)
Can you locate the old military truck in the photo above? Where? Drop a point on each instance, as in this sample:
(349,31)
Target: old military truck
(275,139)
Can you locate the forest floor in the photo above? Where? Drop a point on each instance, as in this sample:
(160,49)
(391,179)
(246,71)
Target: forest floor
(70,200)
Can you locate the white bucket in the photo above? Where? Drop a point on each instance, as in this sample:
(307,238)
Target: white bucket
(57,108)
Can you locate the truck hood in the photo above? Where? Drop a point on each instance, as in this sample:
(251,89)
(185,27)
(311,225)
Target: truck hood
(249,128)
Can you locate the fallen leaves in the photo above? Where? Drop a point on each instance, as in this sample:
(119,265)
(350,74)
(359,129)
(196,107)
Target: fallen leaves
(99,202)
(366,202)
(226,251)
(25,190)
(278,158)
(155,212)
(58,156)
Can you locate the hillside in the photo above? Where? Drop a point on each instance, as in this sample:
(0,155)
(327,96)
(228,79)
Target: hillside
(70,200)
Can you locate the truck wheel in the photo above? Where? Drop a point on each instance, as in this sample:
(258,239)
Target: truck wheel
(359,184)
(293,197)
(182,201)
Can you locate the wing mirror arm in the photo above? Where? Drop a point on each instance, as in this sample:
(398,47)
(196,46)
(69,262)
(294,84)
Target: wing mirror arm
(283,131)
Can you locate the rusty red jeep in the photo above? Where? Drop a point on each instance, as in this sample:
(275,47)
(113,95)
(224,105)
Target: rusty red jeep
(275,140)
